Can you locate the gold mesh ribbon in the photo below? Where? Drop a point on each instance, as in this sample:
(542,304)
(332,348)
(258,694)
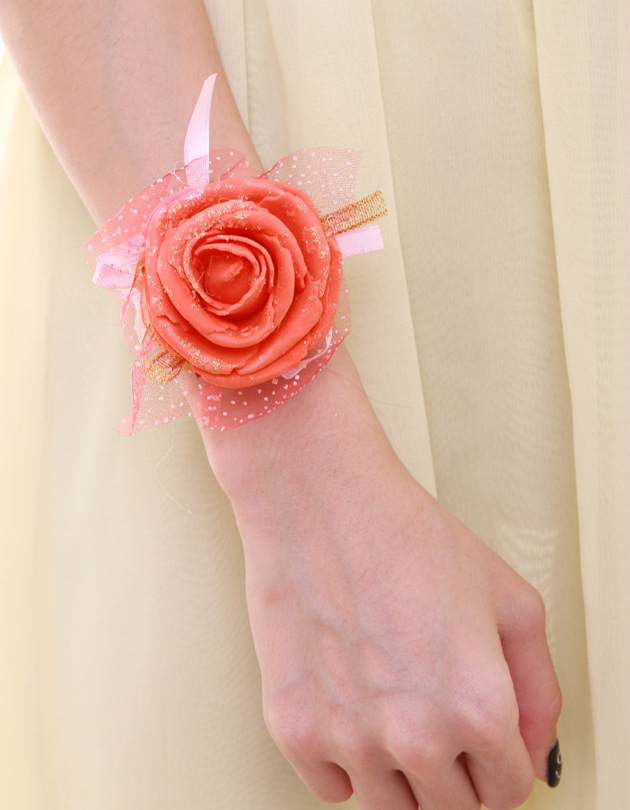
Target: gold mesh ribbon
(355,215)
(139,276)
(164,366)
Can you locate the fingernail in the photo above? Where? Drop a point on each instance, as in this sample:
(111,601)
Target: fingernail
(554,766)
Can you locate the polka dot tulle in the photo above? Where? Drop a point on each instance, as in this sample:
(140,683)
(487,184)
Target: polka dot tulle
(163,386)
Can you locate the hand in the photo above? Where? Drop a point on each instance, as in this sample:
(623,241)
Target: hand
(401,658)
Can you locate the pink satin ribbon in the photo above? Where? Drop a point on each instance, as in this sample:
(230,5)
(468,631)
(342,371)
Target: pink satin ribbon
(196,148)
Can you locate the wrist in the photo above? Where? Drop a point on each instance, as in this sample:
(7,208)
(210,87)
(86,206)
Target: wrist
(330,416)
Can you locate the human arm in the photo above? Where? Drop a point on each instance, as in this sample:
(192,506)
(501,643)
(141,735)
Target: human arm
(391,639)
(361,447)
(113,84)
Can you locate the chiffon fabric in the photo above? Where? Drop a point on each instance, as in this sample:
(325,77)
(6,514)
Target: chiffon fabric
(493,335)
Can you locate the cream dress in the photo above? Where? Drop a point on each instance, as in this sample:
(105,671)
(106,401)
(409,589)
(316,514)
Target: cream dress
(493,334)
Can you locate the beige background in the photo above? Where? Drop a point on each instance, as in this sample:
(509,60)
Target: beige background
(493,334)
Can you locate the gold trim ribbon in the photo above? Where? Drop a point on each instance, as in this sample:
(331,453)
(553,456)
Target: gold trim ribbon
(355,215)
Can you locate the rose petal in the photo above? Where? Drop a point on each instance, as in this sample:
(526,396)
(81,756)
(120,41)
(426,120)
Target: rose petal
(240,280)
(297,212)
(288,261)
(242,332)
(205,358)
(329,299)
(233,278)
(304,313)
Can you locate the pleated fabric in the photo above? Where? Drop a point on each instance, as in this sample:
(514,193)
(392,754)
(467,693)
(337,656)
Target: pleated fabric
(493,335)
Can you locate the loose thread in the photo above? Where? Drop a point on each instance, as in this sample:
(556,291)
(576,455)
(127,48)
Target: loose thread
(363,391)
(113,325)
(157,477)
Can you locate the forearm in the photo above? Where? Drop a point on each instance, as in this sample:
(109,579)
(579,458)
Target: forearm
(113,83)
(328,421)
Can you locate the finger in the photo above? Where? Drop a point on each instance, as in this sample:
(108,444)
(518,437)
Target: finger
(487,721)
(326,781)
(452,790)
(383,790)
(503,775)
(535,683)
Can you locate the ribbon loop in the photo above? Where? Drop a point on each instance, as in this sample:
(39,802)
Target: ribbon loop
(197,144)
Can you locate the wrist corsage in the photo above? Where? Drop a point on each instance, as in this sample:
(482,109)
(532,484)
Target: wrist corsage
(231,282)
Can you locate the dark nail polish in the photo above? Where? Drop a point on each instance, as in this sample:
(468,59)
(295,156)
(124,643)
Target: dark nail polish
(554,766)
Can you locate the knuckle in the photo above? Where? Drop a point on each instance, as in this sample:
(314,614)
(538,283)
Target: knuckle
(418,758)
(531,612)
(352,746)
(295,732)
(418,750)
(488,715)
(514,796)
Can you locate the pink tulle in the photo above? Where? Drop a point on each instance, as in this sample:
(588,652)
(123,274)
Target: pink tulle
(164,386)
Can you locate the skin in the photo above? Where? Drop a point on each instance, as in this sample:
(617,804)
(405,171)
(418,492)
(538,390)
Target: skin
(392,641)
(401,659)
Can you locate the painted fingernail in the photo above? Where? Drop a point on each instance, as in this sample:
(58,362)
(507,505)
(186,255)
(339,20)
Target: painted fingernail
(554,766)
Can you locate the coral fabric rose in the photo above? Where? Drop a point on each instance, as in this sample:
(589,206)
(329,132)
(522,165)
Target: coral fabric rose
(230,281)
(232,295)
(240,279)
